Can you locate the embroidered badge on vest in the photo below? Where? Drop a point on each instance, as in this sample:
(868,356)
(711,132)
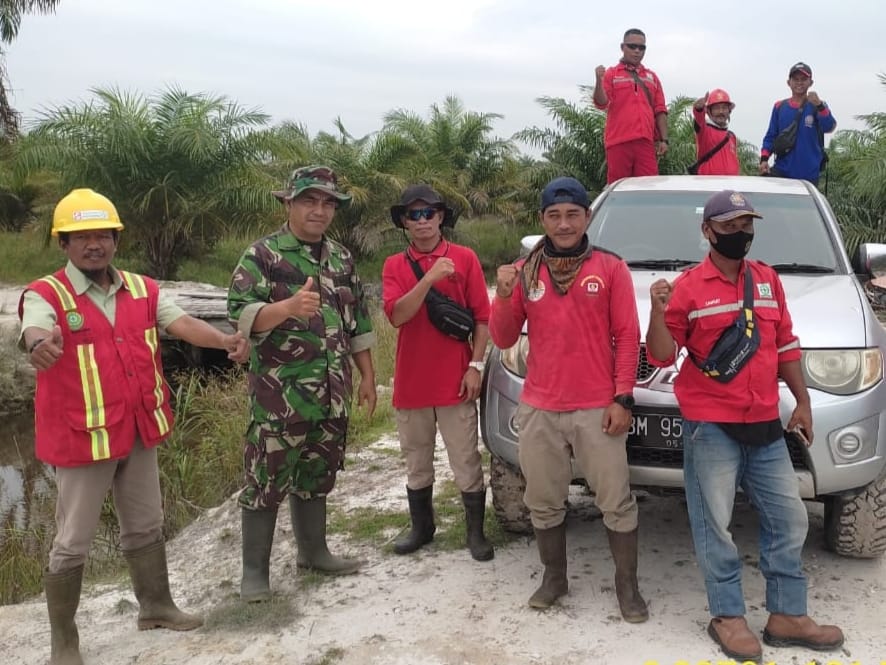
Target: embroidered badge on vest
(74,319)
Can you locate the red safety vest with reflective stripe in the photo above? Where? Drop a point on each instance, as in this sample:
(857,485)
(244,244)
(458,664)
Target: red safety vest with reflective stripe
(108,384)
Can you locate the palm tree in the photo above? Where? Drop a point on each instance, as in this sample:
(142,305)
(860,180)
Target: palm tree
(856,176)
(11,12)
(181,168)
(372,170)
(454,152)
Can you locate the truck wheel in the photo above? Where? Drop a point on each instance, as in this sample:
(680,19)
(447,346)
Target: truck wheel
(855,523)
(508,485)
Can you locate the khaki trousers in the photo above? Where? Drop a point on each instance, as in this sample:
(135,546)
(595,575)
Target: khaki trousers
(548,442)
(458,429)
(135,484)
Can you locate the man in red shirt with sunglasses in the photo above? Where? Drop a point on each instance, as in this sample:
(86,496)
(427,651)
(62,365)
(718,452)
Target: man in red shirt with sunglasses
(636,112)
(436,377)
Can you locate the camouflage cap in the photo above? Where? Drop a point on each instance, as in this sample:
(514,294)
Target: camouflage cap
(321,178)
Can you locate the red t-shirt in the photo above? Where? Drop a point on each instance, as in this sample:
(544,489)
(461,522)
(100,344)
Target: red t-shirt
(703,304)
(707,136)
(629,116)
(430,365)
(584,345)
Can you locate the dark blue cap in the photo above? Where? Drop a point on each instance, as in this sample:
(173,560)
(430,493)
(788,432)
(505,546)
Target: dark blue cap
(564,190)
(728,204)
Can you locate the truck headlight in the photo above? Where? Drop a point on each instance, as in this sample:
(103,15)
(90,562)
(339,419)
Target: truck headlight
(514,357)
(842,371)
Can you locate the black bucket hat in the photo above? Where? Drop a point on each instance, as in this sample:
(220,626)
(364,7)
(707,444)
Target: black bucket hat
(424,193)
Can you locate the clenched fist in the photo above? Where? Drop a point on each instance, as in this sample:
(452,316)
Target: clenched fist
(442,268)
(659,295)
(813,98)
(599,71)
(506,279)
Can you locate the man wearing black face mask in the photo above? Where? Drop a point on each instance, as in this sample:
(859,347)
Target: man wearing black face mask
(732,433)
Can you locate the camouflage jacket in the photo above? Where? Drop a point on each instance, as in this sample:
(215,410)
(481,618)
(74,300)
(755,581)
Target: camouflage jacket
(300,370)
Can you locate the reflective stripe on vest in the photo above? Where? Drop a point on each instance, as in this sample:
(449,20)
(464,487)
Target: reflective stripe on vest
(95,402)
(64,296)
(137,287)
(152,340)
(135,284)
(733,307)
(93,396)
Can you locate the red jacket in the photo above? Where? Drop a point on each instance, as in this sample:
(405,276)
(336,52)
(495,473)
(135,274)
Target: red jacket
(629,115)
(703,304)
(583,346)
(108,385)
(707,137)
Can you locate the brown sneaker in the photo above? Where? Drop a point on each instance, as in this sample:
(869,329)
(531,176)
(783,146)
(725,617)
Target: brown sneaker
(735,638)
(785,630)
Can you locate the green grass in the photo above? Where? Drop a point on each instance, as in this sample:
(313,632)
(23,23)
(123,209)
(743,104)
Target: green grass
(217,265)
(328,657)
(232,614)
(374,526)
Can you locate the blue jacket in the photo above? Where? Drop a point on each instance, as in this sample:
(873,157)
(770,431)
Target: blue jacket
(804,161)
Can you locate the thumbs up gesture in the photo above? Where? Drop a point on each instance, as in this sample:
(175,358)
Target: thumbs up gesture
(46,350)
(305,302)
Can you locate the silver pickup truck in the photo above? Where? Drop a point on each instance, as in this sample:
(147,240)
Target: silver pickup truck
(654,224)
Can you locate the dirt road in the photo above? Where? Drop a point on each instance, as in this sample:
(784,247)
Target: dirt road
(442,608)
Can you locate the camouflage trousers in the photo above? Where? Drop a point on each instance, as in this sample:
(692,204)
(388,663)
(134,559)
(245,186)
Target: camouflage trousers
(299,458)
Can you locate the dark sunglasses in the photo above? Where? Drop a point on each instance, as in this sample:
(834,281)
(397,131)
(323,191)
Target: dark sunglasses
(427,213)
(635,47)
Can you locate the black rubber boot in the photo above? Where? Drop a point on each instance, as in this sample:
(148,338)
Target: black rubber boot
(62,599)
(624,552)
(257,528)
(150,581)
(421,512)
(552,552)
(475,513)
(309,526)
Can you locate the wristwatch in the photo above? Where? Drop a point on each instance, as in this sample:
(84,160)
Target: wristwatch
(478,365)
(627,401)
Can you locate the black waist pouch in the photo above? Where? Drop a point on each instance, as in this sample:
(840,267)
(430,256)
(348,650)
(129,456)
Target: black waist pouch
(737,344)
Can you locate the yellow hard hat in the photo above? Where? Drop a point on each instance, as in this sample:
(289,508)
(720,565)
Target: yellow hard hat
(84,210)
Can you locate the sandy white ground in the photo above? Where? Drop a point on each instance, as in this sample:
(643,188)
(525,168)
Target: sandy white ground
(442,608)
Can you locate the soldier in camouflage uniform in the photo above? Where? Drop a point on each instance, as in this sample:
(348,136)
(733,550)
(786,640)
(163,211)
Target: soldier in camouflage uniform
(296,295)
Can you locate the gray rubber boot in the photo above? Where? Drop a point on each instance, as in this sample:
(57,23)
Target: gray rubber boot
(421,513)
(552,552)
(475,513)
(150,581)
(257,528)
(62,599)
(309,526)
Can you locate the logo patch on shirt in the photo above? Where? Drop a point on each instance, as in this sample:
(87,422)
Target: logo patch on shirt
(75,320)
(537,293)
(764,290)
(592,285)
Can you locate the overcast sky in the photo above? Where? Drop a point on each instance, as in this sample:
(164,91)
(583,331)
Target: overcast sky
(312,61)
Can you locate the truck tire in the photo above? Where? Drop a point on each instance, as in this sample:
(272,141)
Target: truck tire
(855,523)
(508,485)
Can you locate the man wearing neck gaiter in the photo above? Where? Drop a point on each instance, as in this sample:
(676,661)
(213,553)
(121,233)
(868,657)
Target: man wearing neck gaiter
(576,402)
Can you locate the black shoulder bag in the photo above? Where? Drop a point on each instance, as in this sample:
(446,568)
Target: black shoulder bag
(737,344)
(787,138)
(445,314)
(692,169)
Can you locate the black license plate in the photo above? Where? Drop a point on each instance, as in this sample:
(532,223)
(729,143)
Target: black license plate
(656,431)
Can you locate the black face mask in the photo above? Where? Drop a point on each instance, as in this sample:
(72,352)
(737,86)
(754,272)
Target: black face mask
(733,245)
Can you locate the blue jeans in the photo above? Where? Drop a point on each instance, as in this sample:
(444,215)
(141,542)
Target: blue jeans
(714,467)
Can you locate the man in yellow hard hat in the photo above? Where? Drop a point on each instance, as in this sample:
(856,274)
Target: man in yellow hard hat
(102,406)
